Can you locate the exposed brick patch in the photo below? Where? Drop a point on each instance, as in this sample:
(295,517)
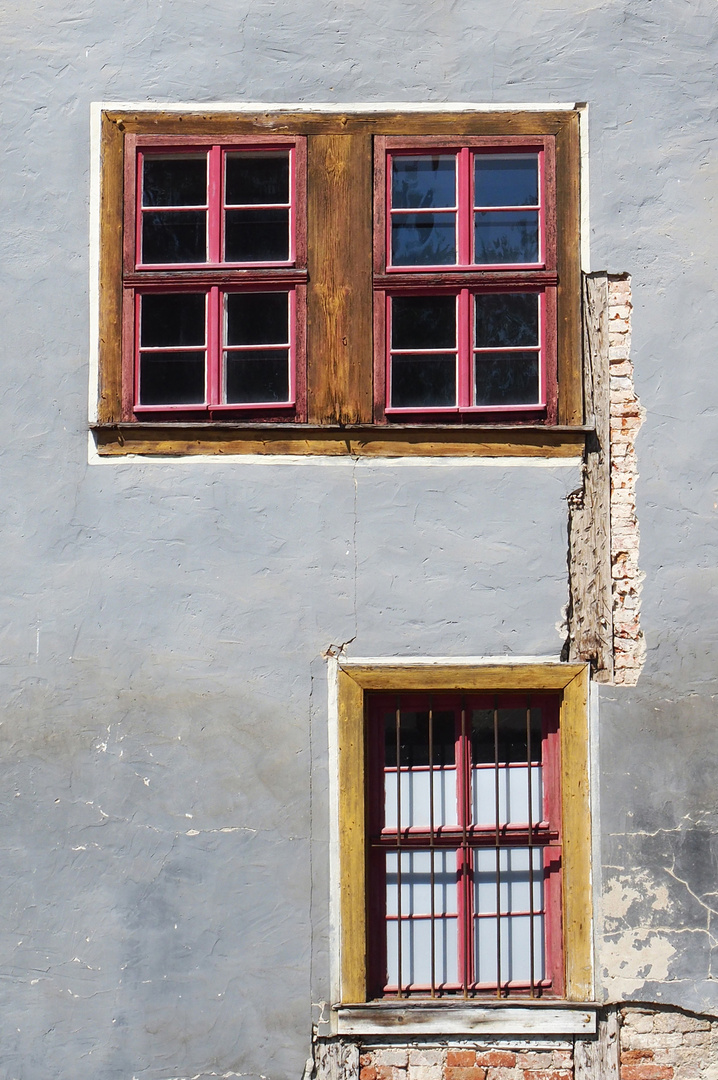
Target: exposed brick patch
(626,418)
(498,1058)
(668,1044)
(475,1061)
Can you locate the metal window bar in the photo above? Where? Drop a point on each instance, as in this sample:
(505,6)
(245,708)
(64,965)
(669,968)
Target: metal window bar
(431,847)
(532,930)
(498,849)
(398,847)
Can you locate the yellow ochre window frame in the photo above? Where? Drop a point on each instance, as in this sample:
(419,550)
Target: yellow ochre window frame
(571,682)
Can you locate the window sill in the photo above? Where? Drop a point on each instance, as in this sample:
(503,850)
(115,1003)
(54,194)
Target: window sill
(172,439)
(457,1018)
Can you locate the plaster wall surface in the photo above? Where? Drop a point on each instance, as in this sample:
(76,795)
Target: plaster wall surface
(164,807)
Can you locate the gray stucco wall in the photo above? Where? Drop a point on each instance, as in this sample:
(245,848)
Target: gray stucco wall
(161,636)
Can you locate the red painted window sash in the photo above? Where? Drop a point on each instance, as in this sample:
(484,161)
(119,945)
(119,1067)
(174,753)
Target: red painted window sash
(553,981)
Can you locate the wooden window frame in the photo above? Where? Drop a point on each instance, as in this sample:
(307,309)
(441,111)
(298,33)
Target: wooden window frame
(338,413)
(570,682)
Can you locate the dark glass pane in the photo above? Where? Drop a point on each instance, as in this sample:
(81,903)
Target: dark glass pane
(512,745)
(414,738)
(175,236)
(423,322)
(429,180)
(256,236)
(174,181)
(506,180)
(506,237)
(423,382)
(257,178)
(507,378)
(504,320)
(257,318)
(172,319)
(257,376)
(172,378)
(423,240)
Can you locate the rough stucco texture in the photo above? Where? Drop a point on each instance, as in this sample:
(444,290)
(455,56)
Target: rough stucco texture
(159,644)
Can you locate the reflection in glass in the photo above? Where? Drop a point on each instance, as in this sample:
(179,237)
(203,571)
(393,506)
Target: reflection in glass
(415,894)
(168,319)
(422,182)
(174,236)
(506,236)
(257,375)
(174,181)
(512,737)
(255,177)
(506,320)
(423,381)
(517,901)
(423,322)
(257,318)
(506,180)
(423,239)
(172,378)
(256,235)
(506,378)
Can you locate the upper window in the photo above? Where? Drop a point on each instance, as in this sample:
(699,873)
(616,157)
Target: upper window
(465,277)
(389,284)
(215,272)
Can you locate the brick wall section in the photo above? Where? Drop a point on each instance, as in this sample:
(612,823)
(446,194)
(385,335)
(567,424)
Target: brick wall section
(668,1045)
(627,415)
(468,1062)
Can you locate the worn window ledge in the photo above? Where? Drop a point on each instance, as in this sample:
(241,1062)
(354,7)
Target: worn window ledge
(405,440)
(444,1018)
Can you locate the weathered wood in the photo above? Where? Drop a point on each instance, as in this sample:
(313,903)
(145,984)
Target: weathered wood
(110,273)
(598,1059)
(169,440)
(352,839)
(476,1019)
(576,835)
(339,313)
(447,676)
(568,216)
(336,1060)
(590,608)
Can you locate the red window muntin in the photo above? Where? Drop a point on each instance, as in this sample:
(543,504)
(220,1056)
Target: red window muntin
(473,219)
(464,845)
(214,278)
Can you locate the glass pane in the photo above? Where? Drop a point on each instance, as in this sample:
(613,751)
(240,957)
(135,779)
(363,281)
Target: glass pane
(172,319)
(416,798)
(506,180)
(513,788)
(172,378)
(256,236)
(261,375)
(256,177)
(512,742)
(515,895)
(423,382)
(506,236)
(174,181)
(429,180)
(416,896)
(414,738)
(174,236)
(504,320)
(506,379)
(423,322)
(257,318)
(423,240)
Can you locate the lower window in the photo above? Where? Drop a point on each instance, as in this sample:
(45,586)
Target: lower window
(464,845)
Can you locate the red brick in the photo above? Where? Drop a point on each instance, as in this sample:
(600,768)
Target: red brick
(548,1074)
(497,1059)
(464,1073)
(463,1058)
(368,1072)
(633,1057)
(365,1059)
(647,1072)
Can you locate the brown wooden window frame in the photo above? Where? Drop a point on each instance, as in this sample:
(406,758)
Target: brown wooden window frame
(339,413)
